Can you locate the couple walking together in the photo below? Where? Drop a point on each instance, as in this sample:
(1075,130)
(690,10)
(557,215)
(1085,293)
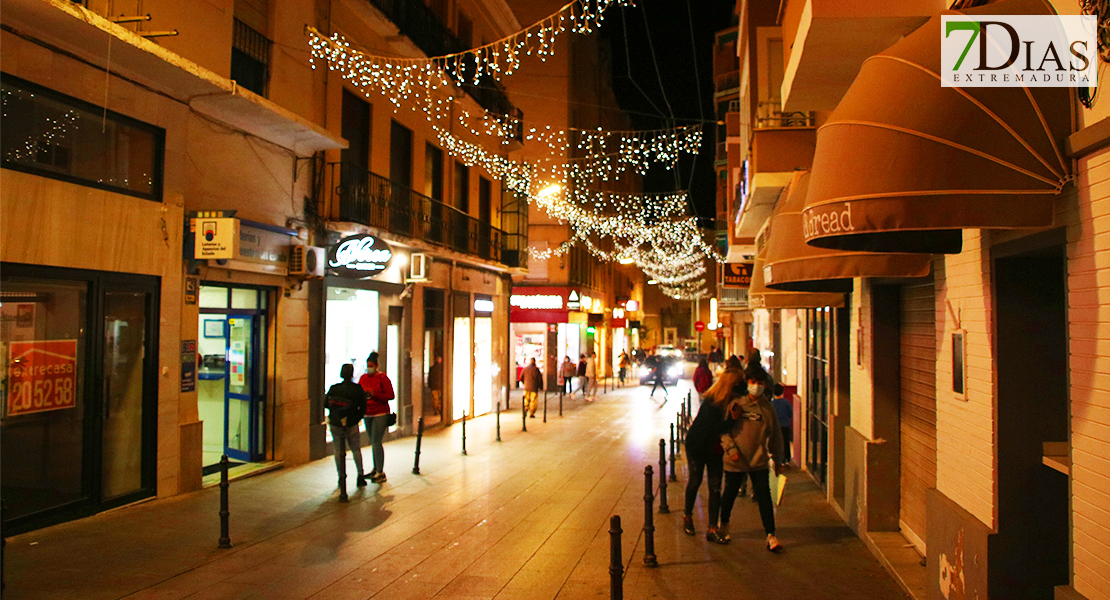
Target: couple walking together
(735,435)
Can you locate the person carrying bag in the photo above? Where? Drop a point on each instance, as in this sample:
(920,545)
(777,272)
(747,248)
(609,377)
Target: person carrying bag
(379,391)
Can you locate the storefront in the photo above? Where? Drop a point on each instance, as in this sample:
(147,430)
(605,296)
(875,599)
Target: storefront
(363,312)
(78,353)
(549,324)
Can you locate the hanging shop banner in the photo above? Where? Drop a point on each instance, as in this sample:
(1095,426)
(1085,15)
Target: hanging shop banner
(215,238)
(359,256)
(42,376)
(738,275)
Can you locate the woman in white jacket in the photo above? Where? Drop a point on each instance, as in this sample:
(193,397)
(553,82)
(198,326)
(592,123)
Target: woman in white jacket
(752,439)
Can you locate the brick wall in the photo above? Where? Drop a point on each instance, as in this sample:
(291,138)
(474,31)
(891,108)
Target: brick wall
(1089,359)
(965,427)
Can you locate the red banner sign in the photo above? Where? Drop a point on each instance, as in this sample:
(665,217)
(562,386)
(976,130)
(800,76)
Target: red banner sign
(42,376)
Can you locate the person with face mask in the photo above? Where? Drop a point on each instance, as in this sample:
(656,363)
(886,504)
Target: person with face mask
(379,391)
(753,438)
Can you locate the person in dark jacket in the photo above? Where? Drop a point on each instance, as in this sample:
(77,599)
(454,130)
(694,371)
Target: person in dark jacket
(703,377)
(582,380)
(703,451)
(346,403)
(533,385)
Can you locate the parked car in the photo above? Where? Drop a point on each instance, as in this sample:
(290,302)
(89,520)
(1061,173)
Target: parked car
(670,365)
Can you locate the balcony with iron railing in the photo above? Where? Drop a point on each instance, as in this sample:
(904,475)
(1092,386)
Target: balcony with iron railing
(427,30)
(361,196)
(727,82)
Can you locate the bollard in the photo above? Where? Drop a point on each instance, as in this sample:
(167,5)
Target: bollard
(3,544)
(464,432)
(678,419)
(524,416)
(663,508)
(616,564)
(673,476)
(689,406)
(560,402)
(649,522)
(499,421)
(225,537)
(545,406)
(419,438)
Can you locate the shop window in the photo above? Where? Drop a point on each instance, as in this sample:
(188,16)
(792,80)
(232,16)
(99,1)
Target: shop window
(52,135)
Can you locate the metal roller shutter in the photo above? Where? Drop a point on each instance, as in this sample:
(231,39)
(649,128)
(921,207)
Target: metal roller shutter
(918,407)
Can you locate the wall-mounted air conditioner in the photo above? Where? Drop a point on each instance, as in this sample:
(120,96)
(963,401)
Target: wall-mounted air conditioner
(307,261)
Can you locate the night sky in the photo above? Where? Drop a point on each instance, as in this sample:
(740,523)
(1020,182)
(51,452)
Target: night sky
(655,42)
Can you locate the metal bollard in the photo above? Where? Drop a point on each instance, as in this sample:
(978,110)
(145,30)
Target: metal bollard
(499,420)
(673,476)
(419,438)
(663,508)
(545,406)
(678,419)
(689,406)
(649,522)
(616,563)
(464,432)
(524,416)
(560,402)
(225,537)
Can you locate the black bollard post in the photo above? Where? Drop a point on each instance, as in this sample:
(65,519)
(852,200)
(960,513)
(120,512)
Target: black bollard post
(689,408)
(616,563)
(649,522)
(464,432)
(499,421)
(673,476)
(560,402)
(663,508)
(678,419)
(419,438)
(225,537)
(524,416)
(545,406)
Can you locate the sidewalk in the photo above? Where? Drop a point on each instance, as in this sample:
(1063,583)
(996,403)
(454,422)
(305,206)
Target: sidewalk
(524,518)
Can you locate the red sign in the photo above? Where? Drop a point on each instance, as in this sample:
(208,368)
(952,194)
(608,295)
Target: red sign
(42,376)
(699,326)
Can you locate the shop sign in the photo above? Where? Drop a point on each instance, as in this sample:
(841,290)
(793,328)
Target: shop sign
(738,275)
(483,305)
(215,238)
(42,376)
(616,323)
(268,250)
(536,301)
(573,301)
(359,256)
(188,365)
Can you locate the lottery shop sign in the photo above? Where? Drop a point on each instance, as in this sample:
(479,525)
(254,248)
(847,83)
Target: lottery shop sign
(42,376)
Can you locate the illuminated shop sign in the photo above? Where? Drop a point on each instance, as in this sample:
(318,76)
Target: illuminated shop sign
(573,302)
(537,301)
(360,256)
(483,306)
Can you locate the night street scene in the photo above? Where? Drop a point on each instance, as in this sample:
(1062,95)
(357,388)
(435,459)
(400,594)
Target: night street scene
(550,300)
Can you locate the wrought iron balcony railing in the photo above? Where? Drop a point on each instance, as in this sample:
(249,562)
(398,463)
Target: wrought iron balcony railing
(368,198)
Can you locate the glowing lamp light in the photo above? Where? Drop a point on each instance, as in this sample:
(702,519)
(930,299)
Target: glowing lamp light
(632,306)
(627,260)
(652,282)
(549,191)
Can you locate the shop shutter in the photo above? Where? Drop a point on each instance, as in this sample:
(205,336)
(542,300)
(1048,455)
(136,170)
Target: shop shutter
(918,406)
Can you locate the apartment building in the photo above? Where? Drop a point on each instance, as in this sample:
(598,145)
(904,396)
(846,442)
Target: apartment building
(948,355)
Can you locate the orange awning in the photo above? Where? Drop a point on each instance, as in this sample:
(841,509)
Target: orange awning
(793,265)
(760,296)
(903,164)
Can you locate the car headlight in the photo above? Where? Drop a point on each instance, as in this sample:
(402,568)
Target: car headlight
(644,371)
(675,371)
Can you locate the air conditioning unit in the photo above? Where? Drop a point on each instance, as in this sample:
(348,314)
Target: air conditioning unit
(418,267)
(307,261)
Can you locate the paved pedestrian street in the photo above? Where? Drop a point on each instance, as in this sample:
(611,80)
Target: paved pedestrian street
(525,518)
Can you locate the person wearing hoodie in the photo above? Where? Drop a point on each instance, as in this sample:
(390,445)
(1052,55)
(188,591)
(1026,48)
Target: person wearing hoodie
(703,377)
(752,439)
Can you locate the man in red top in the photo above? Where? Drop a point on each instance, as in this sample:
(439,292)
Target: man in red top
(379,391)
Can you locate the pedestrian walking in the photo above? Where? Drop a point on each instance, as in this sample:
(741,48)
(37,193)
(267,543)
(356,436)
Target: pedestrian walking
(716,357)
(785,411)
(567,372)
(591,377)
(532,380)
(704,452)
(703,377)
(346,403)
(657,366)
(435,384)
(623,365)
(581,372)
(379,391)
(752,440)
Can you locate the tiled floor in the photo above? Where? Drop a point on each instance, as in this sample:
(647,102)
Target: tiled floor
(524,518)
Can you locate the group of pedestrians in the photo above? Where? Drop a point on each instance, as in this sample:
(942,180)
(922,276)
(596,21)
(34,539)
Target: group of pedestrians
(736,437)
(348,403)
(586,373)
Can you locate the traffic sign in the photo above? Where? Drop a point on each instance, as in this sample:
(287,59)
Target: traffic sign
(699,326)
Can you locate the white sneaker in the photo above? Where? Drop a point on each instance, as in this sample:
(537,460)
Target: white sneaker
(773,543)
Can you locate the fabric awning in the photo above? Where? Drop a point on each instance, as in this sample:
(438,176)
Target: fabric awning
(904,164)
(761,296)
(793,265)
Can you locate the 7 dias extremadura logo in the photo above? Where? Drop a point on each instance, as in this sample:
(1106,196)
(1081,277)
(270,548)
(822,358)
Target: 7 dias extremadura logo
(1018,51)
